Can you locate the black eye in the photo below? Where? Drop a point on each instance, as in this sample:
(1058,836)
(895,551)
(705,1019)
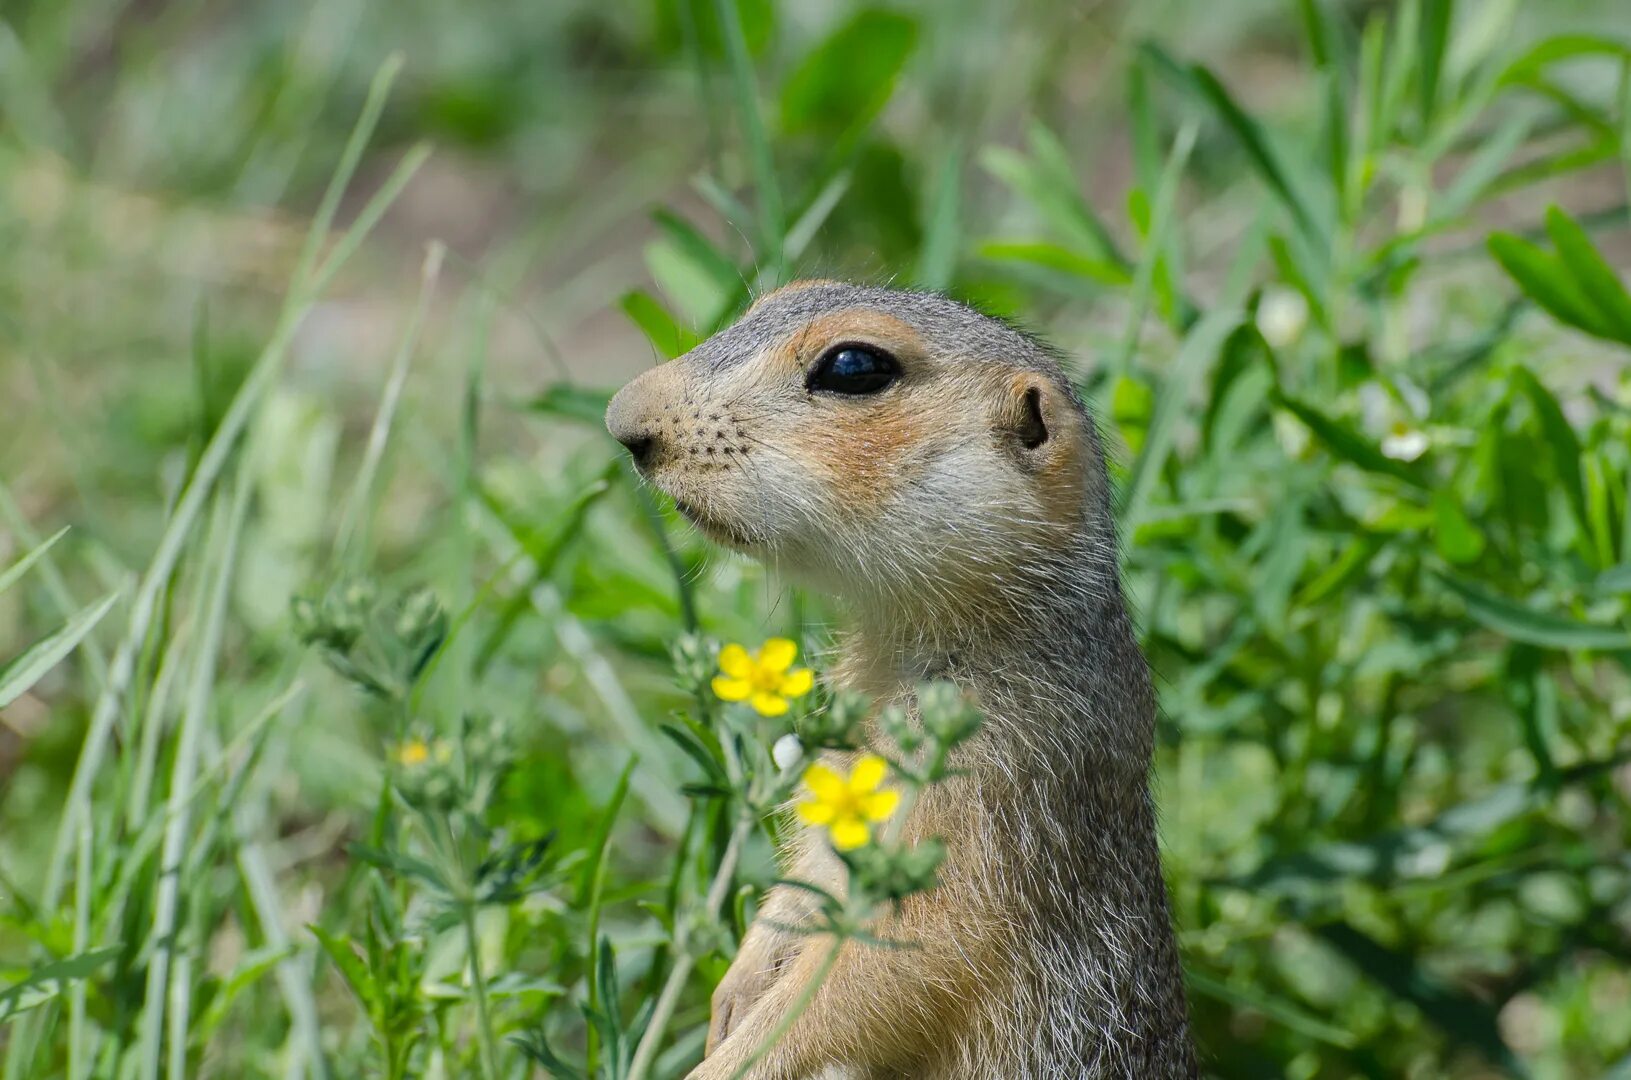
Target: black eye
(853,369)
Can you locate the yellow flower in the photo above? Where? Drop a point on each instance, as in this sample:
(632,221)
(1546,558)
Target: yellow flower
(413,752)
(848,806)
(764,679)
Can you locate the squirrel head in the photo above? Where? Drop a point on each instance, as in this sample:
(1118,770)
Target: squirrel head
(874,443)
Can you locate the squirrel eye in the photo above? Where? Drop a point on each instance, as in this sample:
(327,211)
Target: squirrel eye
(853,369)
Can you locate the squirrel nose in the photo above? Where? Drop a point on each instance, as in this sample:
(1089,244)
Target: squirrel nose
(631,425)
(639,446)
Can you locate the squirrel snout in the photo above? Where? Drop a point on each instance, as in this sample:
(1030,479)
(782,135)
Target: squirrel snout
(632,426)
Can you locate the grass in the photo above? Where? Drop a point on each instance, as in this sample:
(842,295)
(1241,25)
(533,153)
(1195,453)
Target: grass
(291,494)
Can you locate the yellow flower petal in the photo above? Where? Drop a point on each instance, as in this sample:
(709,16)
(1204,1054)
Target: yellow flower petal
(879,805)
(413,752)
(735,662)
(868,774)
(816,812)
(797,683)
(849,834)
(729,689)
(823,783)
(769,704)
(777,654)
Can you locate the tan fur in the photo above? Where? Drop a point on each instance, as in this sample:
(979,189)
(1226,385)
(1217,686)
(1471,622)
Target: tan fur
(961,515)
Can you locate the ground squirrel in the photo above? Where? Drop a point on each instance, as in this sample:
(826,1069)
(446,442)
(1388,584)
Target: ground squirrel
(935,470)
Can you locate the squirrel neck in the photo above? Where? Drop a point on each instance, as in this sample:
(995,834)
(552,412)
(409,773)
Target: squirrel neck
(1047,652)
(1059,773)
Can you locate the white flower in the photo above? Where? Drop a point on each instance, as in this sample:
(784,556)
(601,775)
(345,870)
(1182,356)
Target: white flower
(787,752)
(1281,316)
(1404,443)
(1291,434)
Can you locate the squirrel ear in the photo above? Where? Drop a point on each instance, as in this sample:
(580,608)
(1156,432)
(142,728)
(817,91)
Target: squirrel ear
(1032,428)
(1031,414)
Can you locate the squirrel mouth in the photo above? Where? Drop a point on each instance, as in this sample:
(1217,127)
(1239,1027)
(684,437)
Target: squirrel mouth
(711,528)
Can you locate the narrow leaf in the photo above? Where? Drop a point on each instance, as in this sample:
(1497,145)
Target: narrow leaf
(27,669)
(1595,279)
(1522,623)
(1348,444)
(1545,281)
(17,569)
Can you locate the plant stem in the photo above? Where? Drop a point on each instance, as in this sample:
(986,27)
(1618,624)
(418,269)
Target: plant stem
(489,1049)
(646,1053)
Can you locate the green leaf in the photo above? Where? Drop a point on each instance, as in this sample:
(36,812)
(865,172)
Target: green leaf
(1545,280)
(402,863)
(1061,175)
(942,229)
(845,80)
(1460,1016)
(1456,538)
(27,669)
(1534,697)
(1200,348)
(569,402)
(1592,275)
(665,332)
(1046,181)
(1614,581)
(1348,444)
(1432,36)
(253,967)
(17,569)
(13,998)
(1051,256)
(760,155)
(808,224)
(697,745)
(1246,131)
(719,268)
(536,1048)
(589,881)
(1560,439)
(1275,1008)
(1559,48)
(1521,623)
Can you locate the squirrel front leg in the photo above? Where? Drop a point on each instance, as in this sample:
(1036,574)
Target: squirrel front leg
(774,938)
(880,1007)
(766,950)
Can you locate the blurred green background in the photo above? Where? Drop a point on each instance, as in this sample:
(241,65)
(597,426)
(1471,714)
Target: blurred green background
(1345,281)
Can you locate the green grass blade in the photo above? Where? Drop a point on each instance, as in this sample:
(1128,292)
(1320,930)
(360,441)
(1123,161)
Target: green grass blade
(1277,1009)
(1433,36)
(1560,440)
(1348,444)
(184,772)
(1199,349)
(16,570)
(766,185)
(1460,1016)
(1151,259)
(1546,281)
(352,519)
(807,225)
(1596,281)
(26,669)
(1254,141)
(1522,623)
(943,228)
(56,587)
(668,336)
(210,466)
